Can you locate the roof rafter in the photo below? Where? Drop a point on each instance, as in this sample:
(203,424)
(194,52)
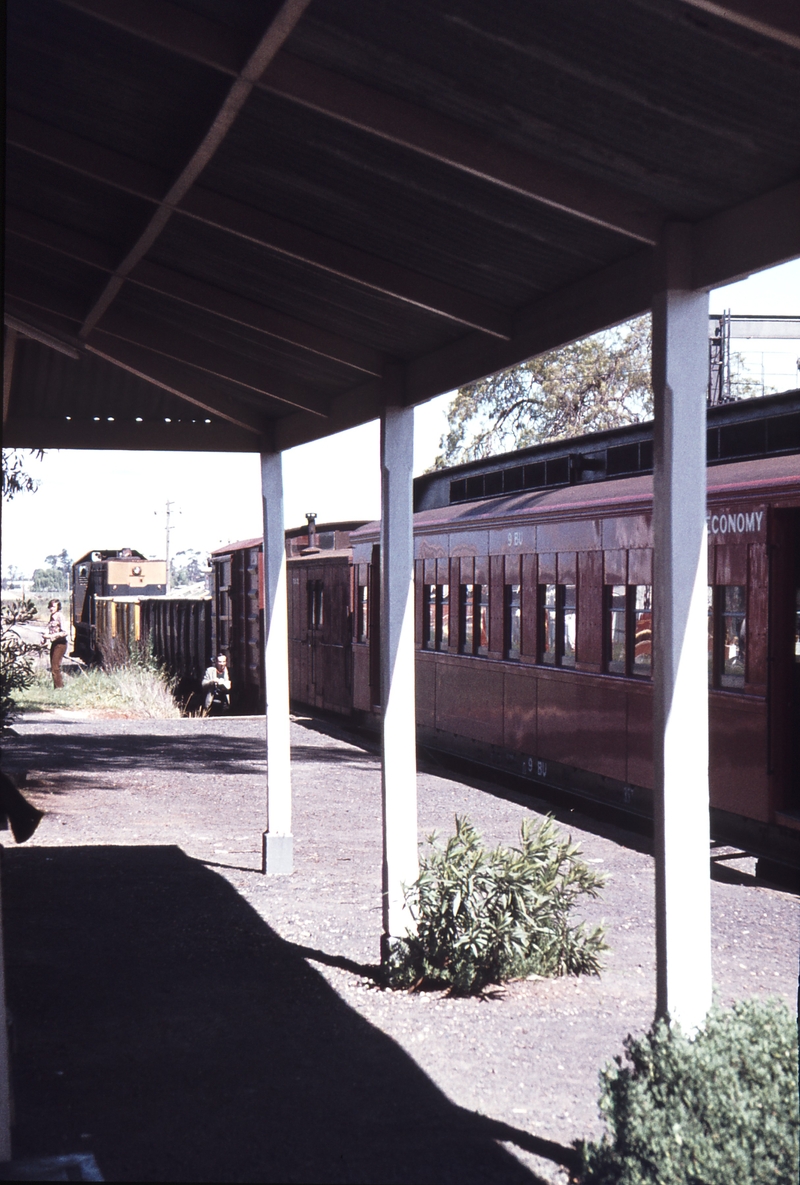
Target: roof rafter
(161,372)
(777,19)
(278,30)
(181,347)
(426,132)
(445,140)
(188,290)
(170,376)
(626,291)
(191,350)
(9,350)
(276,234)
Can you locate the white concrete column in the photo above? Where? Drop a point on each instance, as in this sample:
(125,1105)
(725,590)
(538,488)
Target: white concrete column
(277,840)
(399,758)
(680,658)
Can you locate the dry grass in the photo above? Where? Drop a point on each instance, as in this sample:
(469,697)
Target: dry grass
(136,692)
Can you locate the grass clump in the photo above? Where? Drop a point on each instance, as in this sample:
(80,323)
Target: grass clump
(139,691)
(487,916)
(717,1108)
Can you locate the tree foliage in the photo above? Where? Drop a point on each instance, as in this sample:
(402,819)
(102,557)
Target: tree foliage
(597,383)
(189,567)
(487,916)
(16,655)
(55,577)
(15,479)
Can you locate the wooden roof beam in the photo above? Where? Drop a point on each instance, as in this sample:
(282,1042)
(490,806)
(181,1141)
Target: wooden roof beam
(779,20)
(171,376)
(279,28)
(181,347)
(152,435)
(236,309)
(9,350)
(191,350)
(165,373)
(395,120)
(449,142)
(276,234)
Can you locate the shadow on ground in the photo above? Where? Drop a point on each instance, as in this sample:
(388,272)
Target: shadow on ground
(90,751)
(162,1025)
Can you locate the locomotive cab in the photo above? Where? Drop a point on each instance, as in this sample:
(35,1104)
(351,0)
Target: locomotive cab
(121,573)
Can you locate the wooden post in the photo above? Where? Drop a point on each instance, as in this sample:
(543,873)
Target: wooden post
(680,659)
(277,839)
(399,757)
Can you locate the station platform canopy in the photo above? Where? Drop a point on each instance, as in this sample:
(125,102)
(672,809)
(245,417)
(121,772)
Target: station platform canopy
(242,225)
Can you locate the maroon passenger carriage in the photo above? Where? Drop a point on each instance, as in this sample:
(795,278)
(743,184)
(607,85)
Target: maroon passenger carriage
(534,620)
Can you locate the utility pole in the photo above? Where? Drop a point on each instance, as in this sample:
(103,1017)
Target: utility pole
(169,513)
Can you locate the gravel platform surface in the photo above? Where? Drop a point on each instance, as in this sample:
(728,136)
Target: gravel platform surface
(185,1018)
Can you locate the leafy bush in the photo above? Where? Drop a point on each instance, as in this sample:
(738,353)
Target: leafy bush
(16,655)
(486,917)
(717,1109)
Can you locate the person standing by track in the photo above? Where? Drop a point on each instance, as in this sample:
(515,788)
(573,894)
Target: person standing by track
(56,635)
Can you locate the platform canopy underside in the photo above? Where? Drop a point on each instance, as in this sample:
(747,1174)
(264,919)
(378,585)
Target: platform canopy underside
(238,225)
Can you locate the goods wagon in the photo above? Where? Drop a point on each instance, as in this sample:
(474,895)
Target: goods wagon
(175,631)
(238,617)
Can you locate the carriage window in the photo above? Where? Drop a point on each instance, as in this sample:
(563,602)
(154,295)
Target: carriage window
(512,621)
(435,616)
(733,633)
(616,629)
(362,613)
(547,623)
(569,618)
(481,619)
(466,615)
(474,619)
(315,604)
(442,616)
(428,616)
(642,628)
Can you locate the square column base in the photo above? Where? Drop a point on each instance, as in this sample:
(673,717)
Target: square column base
(277,854)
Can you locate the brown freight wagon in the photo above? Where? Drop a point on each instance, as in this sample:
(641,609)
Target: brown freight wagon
(238,618)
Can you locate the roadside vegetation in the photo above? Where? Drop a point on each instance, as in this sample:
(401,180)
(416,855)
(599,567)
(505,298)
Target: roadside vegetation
(488,916)
(138,691)
(19,650)
(717,1108)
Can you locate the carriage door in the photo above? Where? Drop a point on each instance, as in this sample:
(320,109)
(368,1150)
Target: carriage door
(317,610)
(784,652)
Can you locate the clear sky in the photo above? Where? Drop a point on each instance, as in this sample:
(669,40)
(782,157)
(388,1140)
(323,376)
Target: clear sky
(89,499)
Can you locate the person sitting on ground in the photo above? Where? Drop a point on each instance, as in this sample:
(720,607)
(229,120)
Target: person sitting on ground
(217,687)
(56,635)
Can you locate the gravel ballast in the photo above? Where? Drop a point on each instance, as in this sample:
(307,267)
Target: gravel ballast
(184,1017)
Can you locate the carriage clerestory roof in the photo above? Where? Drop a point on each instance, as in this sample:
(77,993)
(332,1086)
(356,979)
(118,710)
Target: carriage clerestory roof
(243,225)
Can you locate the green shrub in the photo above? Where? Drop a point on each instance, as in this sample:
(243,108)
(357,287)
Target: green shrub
(16,655)
(718,1109)
(485,917)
